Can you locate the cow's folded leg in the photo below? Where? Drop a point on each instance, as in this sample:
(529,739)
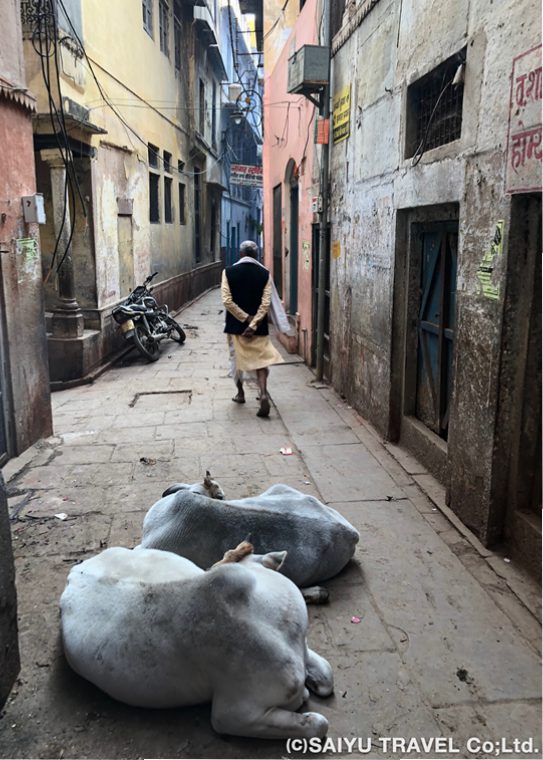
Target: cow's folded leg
(315,594)
(319,678)
(245,719)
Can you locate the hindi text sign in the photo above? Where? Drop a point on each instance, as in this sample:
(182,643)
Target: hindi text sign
(341,122)
(246,174)
(524,150)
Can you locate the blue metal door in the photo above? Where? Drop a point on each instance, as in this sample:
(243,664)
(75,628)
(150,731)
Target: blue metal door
(436,324)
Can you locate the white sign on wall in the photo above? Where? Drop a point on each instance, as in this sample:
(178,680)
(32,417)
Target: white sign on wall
(246,174)
(524,148)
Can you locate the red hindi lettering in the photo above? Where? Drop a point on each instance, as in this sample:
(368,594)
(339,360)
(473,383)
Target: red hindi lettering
(533,90)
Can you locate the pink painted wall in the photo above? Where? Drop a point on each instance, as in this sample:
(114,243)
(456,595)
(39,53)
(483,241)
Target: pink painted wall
(289,124)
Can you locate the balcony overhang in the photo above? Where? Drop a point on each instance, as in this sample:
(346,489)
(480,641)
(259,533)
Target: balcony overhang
(76,117)
(205,27)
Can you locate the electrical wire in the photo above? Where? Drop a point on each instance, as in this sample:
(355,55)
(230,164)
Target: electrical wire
(45,41)
(277,20)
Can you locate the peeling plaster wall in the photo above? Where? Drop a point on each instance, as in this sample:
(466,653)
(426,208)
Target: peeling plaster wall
(23,342)
(372,183)
(157,105)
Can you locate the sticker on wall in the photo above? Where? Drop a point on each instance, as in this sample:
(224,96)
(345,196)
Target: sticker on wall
(487,265)
(27,249)
(306,248)
(336,249)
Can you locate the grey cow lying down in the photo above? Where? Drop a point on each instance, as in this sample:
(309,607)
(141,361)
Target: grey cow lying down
(318,540)
(151,629)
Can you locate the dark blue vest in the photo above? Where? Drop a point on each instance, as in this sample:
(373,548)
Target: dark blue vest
(247,283)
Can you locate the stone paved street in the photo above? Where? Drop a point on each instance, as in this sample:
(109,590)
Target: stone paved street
(449,639)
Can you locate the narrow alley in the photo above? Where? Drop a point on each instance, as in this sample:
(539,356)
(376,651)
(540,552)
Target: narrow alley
(429,634)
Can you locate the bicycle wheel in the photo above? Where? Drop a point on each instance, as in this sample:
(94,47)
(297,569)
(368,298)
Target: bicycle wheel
(177,333)
(145,343)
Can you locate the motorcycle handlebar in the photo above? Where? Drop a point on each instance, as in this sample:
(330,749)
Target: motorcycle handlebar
(151,277)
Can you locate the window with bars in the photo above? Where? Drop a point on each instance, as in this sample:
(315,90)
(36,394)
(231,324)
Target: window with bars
(154,208)
(152,155)
(434,107)
(168,215)
(214,115)
(39,18)
(202,107)
(147,10)
(164,25)
(182,191)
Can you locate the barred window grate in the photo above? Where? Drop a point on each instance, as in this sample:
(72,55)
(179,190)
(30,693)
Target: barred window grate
(37,15)
(434,108)
(445,124)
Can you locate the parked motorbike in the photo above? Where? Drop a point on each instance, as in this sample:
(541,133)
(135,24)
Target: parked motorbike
(146,323)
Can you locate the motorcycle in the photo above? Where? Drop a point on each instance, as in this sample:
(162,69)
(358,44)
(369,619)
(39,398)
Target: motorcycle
(146,323)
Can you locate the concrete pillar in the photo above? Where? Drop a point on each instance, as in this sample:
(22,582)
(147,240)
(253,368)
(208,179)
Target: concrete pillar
(67,317)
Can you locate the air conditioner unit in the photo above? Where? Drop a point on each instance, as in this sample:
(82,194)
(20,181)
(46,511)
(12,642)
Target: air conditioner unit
(308,69)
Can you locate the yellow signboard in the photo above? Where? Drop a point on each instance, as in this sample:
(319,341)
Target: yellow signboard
(336,249)
(342,114)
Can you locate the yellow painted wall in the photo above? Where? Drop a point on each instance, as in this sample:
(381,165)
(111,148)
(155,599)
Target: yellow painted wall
(142,85)
(278,25)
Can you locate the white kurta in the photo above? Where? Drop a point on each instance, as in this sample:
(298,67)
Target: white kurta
(256,352)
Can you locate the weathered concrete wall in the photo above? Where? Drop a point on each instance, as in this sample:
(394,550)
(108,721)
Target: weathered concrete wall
(21,282)
(373,184)
(9,646)
(12,65)
(27,398)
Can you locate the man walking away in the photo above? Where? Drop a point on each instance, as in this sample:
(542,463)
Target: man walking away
(247,291)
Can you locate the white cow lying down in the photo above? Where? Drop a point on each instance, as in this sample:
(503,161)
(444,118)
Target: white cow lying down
(151,629)
(318,540)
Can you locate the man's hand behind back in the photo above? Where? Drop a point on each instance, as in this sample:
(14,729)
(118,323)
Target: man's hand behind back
(248,332)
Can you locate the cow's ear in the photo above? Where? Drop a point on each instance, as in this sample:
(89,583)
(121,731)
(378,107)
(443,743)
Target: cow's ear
(273,560)
(207,479)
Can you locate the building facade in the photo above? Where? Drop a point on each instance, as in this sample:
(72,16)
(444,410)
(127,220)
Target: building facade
(436,246)
(25,408)
(127,121)
(242,131)
(432,313)
(291,176)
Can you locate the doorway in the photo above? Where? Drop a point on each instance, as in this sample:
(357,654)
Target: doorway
(423,332)
(520,385)
(293,268)
(126,255)
(435,322)
(315,248)
(197,216)
(277,240)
